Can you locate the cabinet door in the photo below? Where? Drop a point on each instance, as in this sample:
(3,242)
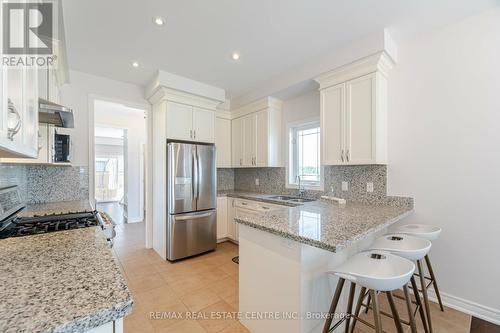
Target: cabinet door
(249,140)
(237,142)
(261,138)
(223,142)
(30,119)
(333,125)
(15,92)
(179,121)
(360,122)
(221,217)
(230,219)
(203,125)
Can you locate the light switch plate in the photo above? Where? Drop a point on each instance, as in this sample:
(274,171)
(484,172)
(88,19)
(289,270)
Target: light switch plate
(345,186)
(257,183)
(369,187)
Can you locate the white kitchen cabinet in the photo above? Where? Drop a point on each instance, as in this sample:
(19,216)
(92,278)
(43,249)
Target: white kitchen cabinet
(43,149)
(256,138)
(223,142)
(249,143)
(232,226)
(185,122)
(203,125)
(332,124)
(179,121)
(354,113)
(222,221)
(111,327)
(19,121)
(237,142)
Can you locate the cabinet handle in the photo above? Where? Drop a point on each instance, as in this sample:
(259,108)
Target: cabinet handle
(347,155)
(191,134)
(12,131)
(342,156)
(241,161)
(194,134)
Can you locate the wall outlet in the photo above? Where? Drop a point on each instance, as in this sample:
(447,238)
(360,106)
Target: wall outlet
(345,186)
(369,187)
(257,183)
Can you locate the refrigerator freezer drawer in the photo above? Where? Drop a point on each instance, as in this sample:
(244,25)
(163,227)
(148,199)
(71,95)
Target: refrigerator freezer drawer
(191,234)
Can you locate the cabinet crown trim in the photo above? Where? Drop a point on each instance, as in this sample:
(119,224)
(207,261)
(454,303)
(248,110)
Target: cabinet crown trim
(260,104)
(378,62)
(172,95)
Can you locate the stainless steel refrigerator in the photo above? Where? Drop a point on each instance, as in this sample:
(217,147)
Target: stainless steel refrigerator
(191,199)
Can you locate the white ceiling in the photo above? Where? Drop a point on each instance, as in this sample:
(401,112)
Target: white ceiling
(272,36)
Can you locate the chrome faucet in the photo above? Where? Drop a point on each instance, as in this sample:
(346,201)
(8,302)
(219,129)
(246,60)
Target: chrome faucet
(302,191)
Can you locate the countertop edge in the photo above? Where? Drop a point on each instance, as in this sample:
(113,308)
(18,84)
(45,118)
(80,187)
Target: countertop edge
(322,245)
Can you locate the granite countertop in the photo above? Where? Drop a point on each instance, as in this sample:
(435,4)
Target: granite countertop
(323,224)
(66,281)
(60,207)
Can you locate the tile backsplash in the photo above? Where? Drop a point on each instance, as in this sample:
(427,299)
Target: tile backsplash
(47,183)
(273,181)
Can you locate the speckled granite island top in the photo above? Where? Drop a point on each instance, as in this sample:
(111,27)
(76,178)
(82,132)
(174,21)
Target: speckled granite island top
(323,224)
(58,207)
(67,281)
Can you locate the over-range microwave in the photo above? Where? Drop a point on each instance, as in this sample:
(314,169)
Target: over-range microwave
(61,148)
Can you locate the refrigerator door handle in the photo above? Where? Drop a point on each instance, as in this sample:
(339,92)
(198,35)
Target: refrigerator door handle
(194,176)
(198,168)
(192,217)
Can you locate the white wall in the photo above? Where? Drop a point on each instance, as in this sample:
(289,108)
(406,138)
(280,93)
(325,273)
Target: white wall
(296,109)
(444,139)
(115,115)
(76,95)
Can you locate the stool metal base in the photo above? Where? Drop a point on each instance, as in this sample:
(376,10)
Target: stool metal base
(373,294)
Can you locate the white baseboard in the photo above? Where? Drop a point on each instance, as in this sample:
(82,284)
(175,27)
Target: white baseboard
(474,309)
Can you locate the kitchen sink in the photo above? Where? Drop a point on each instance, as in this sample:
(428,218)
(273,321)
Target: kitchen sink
(292,199)
(301,200)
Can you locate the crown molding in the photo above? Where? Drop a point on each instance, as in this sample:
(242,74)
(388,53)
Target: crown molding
(378,62)
(260,104)
(167,94)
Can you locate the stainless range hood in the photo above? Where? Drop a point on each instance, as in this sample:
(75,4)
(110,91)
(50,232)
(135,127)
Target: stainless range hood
(55,114)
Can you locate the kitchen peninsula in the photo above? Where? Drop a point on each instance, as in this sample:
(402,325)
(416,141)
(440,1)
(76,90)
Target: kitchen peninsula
(297,246)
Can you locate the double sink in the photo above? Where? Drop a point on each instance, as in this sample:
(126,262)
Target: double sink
(291,199)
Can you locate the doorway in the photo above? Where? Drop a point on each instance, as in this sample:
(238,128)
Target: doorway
(120,137)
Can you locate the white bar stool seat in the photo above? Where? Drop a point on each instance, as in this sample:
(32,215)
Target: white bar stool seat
(406,246)
(415,249)
(373,271)
(424,231)
(377,270)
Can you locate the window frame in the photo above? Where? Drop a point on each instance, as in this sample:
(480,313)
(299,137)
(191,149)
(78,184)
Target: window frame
(292,158)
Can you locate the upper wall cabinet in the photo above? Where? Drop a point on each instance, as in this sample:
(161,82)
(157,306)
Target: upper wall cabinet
(256,134)
(223,142)
(190,123)
(354,112)
(19,112)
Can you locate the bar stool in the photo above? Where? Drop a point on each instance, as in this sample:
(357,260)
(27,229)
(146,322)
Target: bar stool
(430,233)
(374,271)
(414,249)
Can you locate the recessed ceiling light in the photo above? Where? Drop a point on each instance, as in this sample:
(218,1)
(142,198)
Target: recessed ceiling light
(235,56)
(135,64)
(159,21)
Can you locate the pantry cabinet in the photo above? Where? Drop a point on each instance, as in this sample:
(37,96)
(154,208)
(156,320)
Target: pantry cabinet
(190,123)
(256,135)
(354,113)
(223,142)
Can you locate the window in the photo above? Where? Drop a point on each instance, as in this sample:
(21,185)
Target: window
(304,155)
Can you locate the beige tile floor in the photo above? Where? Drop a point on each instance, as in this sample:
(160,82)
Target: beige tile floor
(206,284)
